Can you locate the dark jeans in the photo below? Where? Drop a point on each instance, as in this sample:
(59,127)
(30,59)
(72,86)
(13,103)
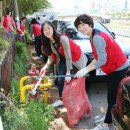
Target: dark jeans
(62,71)
(38,44)
(20,38)
(9,34)
(113,81)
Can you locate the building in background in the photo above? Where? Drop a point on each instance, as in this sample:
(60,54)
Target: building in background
(105,6)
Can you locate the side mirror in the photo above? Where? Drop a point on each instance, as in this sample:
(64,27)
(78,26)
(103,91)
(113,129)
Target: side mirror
(113,34)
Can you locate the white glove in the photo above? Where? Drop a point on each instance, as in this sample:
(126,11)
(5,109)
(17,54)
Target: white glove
(81,73)
(22,34)
(67,79)
(43,70)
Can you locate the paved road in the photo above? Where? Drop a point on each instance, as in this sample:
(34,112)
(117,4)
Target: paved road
(97,96)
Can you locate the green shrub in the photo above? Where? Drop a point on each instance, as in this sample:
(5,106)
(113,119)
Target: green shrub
(39,115)
(15,93)
(21,59)
(22,51)
(20,67)
(15,119)
(4,43)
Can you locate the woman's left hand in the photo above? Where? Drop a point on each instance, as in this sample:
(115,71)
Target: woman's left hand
(67,79)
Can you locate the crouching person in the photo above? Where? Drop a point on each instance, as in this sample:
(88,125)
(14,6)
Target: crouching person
(64,53)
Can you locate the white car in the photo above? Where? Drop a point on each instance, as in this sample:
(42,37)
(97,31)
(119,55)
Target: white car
(67,26)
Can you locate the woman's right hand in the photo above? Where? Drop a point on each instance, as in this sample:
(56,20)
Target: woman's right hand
(43,70)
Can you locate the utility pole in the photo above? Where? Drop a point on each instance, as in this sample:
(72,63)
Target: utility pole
(16,11)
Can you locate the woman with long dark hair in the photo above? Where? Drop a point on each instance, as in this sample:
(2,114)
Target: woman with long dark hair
(63,52)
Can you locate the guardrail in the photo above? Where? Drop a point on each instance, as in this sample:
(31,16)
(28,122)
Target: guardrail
(119,27)
(121,32)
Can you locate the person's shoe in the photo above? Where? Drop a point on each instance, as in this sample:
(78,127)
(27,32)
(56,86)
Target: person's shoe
(58,103)
(37,58)
(99,121)
(100,127)
(111,126)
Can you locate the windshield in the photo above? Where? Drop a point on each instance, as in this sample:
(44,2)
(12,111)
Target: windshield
(69,28)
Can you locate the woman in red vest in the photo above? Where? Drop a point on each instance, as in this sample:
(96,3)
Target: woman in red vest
(108,56)
(8,24)
(36,36)
(21,29)
(63,52)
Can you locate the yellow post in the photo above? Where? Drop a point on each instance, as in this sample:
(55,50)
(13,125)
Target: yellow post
(23,91)
(22,81)
(46,85)
(45,95)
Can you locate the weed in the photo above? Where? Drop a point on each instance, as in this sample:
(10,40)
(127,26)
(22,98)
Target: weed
(39,115)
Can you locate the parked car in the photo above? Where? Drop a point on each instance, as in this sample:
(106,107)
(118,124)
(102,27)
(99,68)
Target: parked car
(43,16)
(121,111)
(67,26)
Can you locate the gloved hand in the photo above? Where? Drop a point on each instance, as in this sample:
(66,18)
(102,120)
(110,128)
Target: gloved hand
(67,79)
(22,34)
(43,70)
(81,73)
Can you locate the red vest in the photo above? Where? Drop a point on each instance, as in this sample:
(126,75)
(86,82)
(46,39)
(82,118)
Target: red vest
(75,51)
(22,27)
(115,56)
(36,29)
(5,21)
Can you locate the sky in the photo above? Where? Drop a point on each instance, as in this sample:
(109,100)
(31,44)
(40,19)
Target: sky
(69,5)
(60,4)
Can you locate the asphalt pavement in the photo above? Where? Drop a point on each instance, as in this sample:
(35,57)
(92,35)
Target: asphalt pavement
(97,95)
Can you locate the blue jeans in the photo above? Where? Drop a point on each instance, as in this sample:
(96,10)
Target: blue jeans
(9,35)
(62,71)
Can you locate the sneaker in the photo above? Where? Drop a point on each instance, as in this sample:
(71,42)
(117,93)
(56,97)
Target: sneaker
(37,58)
(58,103)
(99,121)
(112,126)
(100,127)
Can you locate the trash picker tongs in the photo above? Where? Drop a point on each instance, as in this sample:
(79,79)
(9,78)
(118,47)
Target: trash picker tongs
(33,91)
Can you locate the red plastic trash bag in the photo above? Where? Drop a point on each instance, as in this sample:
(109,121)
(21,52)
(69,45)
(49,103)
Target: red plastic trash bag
(76,100)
